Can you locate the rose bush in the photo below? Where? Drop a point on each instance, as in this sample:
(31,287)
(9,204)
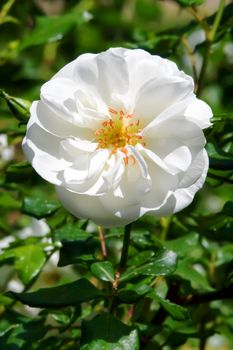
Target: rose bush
(120,135)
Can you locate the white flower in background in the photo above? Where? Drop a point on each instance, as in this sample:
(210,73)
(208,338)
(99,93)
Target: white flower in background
(6,152)
(38,228)
(120,135)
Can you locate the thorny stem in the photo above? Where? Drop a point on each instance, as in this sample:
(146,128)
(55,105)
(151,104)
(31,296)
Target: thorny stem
(210,36)
(125,248)
(102,242)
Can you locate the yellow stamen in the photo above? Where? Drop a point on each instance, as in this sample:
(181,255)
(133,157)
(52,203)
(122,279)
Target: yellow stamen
(118,132)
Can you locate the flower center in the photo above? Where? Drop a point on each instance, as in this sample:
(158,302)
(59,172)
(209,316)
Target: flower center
(118,132)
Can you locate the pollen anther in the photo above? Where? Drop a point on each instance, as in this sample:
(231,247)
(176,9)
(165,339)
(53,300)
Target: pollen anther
(119,131)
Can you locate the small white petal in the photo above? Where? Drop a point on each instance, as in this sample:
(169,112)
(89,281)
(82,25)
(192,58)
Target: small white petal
(179,159)
(58,95)
(97,162)
(172,113)
(116,169)
(192,181)
(141,161)
(157,94)
(113,75)
(199,112)
(71,148)
(52,122)
(162,184)
(156,159)
(42,151)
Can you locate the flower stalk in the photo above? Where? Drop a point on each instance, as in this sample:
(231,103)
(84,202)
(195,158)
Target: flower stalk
(102,242)
(125,248)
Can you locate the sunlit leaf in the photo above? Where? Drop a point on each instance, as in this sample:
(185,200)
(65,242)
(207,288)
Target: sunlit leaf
(39,207)
(103,270)
(108,333)
(163,263)
(70,232)
(50,29)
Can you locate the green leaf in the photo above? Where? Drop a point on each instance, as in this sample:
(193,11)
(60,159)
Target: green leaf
(70,233)
(39,207)
(218,226)
(162,263)
(142,238)
(129,342)
(223,117)
(141,258)
(4,300)
(219,160)
(76,252)
(23,334)
(7,201)
(186,270)
(29,261)
(107,332)
(103,270)
(176,339)
(64,316)
(190,2)
(176,311)
(183,245)
(133,292)
(19,172)
(61,296)
(58,218)
(50,29)
(228,209)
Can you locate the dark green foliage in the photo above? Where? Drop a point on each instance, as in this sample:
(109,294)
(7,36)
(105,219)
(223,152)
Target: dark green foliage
(60,296)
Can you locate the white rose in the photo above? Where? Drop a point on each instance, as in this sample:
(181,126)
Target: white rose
(120,135)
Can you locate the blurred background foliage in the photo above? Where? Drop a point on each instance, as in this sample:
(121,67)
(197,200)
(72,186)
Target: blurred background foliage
(176,292)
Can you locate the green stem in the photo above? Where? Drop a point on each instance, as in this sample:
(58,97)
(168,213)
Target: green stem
(210,36)
(125,248)
(202,344)
(165,223)
(217,19)
(203,68)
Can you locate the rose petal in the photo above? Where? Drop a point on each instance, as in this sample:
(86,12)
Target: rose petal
(192,181)
(47,119)
(179,159)
(42,151)
(199,112)
(84,206)
(158,94)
